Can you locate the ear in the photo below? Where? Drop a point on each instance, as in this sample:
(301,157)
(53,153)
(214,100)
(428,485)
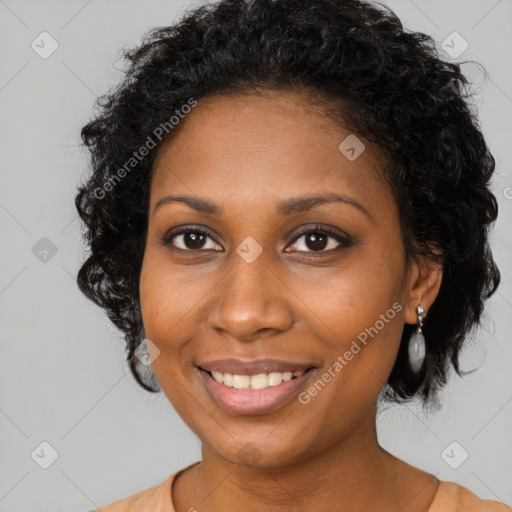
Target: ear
(422,286)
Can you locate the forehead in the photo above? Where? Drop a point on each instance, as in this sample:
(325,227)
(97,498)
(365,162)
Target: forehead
(252,147)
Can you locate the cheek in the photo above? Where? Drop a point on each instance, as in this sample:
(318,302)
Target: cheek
(169,306)
(358,314)
(344,303)
(167,302)
(163,313)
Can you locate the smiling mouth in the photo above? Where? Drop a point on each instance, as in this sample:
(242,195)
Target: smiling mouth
(260,393)
(255,382)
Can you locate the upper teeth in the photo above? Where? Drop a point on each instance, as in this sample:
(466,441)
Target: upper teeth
(260,381)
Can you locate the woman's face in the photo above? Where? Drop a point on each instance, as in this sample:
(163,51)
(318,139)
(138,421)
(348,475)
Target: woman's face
(255,288)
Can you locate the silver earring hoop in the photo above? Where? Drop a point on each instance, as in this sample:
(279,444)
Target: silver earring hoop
(417,343)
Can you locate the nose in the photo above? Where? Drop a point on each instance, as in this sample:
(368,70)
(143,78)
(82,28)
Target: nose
(252,301)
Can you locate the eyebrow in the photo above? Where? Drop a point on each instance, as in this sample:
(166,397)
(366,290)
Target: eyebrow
(287,207)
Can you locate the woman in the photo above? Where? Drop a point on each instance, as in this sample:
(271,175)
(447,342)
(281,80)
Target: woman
(288,217)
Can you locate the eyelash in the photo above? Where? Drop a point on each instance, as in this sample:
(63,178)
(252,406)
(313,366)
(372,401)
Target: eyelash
(345,241)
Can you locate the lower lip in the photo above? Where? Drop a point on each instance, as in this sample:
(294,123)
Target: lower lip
(254,401)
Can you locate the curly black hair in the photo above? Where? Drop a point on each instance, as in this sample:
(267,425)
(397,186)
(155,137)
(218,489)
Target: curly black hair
(387,84)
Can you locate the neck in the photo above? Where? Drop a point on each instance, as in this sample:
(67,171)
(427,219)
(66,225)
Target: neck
(354,474)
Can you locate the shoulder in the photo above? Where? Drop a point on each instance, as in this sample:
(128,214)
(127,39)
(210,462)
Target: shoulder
(452,497)
(154,499)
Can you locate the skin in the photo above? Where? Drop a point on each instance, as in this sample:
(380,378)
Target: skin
(247,153)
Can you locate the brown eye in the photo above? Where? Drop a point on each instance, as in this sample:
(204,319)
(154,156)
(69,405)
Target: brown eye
(189,239)
(319,239)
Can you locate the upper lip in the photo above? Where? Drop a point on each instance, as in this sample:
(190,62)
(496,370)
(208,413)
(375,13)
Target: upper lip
(253,366)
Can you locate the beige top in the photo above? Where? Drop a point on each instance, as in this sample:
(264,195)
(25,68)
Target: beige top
(450,497)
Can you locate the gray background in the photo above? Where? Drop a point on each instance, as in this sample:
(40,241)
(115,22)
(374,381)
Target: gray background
(63,376)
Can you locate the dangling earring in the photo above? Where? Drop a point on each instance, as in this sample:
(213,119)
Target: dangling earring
(417,343)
